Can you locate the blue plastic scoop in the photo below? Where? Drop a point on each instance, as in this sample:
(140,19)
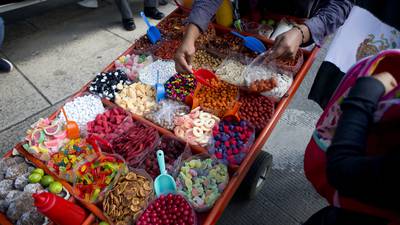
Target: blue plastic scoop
(164,183)
(152,33)
(251,43)
(160,90)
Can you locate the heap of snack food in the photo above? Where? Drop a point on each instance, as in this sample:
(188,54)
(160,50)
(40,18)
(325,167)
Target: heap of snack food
(202,129)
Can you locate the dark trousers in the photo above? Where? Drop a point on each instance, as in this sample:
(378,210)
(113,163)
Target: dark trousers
(125,9)
(335,216)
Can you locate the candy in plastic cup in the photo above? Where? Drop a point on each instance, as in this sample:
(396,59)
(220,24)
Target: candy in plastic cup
(72,127)
(164,183)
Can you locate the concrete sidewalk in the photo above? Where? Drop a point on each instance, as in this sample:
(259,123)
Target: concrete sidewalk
(57,52)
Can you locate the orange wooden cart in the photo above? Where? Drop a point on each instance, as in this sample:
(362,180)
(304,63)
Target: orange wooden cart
(257,161)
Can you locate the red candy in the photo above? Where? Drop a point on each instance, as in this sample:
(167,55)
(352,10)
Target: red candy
(105,124)
(172,148)
(168,210)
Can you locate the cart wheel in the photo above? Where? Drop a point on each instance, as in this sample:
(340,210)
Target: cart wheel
(255,177)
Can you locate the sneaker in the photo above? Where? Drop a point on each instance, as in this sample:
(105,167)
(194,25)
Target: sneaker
(153,13)
(93,4)
(5,66)
(128,24)
(163,2)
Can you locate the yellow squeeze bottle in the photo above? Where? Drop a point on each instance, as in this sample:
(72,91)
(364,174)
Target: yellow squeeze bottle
(224,14)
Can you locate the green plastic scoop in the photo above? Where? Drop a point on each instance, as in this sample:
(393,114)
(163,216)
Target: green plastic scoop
(164,183)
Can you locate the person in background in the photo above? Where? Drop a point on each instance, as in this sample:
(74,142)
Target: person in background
(370,179)
(324,17)
(150,10)
(5,65)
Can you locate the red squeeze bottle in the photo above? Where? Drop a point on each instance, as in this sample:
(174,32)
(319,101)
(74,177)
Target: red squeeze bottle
(59,210)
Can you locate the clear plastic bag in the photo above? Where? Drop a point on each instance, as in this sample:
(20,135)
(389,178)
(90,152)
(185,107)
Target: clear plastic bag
(165,113)
(231,69)
(232,146)
(174,151)
(137,179)
(263,76)
(201,180)
(134,141)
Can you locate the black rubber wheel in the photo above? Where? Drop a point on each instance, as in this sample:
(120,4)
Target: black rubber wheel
(255,178)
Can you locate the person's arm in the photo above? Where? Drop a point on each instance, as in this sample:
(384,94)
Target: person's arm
(349,169)
(200,16)
(202,12)
(329,16)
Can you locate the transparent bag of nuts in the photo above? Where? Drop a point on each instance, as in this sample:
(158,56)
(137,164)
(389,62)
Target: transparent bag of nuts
(206,58)
(129,203)
(232,67)
(264,76)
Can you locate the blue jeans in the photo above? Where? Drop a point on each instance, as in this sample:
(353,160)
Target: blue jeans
(1,31)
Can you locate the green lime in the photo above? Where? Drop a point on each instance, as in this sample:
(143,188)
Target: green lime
(39,171)
(103,223)
(46,180)
(55,187)
(34,178)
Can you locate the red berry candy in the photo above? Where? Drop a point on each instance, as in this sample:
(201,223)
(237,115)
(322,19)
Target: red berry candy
(168,210)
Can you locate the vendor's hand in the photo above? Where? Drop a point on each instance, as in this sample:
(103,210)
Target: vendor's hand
(184,54)
(287,44)
(183,57)
(388,81)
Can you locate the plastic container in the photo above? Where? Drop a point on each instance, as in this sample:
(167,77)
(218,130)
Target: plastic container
(109,201)
(93,178)
(227,154)
(232,105)
(150,162)
(184,184)
(152,206)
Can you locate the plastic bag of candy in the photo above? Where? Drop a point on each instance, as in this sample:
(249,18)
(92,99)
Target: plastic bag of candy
(96,175)
(70,155)
(44,138)
(129,197)
(174,151)
(264,76)
(165,113)
(134,141)
(201,180)
(232,140)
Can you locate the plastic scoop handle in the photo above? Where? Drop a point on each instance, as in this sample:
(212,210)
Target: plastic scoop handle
(145,19)
(65,115)
(161,162)
(237,34)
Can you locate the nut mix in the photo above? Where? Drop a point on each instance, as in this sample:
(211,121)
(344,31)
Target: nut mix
(142,45)
(218,98)
(128,198)
(263,85)
(256,109)
(167,49)
(203,59)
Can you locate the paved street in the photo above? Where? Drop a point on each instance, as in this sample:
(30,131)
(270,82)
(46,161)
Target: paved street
(57,51)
